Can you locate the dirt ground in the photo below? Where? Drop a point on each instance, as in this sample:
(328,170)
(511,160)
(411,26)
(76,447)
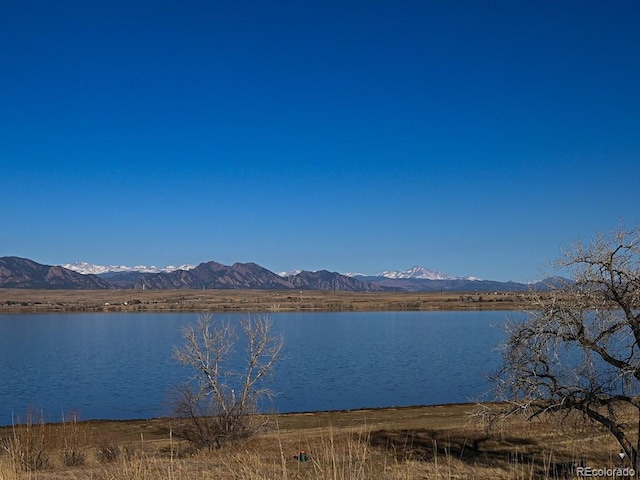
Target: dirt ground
(292,425)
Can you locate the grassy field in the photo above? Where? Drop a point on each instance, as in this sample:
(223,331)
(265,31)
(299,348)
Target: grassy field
(435,442)
(18,300)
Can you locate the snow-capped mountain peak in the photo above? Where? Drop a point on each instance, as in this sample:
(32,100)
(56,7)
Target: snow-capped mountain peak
(354,274)
(88,268)
(416,272)
(291,273)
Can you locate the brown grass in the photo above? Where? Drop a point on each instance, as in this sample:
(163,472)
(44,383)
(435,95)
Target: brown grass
(438,442)
(18,300)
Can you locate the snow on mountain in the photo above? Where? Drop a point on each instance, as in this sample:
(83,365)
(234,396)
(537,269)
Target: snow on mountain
(289,274)
(417,272)
(296,272)
(88,268)
(422,273)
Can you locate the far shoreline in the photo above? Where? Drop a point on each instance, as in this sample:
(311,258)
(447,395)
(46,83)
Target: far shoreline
(15,300)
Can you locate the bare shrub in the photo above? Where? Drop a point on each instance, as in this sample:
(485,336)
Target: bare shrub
(219,403)
(27,444)
(74,442)
(107,450)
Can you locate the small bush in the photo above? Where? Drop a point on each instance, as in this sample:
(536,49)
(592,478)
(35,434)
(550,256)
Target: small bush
(73,458)
(74,438)
(27,444)
(108,451)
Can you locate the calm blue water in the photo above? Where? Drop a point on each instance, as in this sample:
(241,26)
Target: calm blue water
(120,366)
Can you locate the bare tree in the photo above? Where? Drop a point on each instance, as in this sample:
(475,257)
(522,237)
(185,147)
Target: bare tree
(218,404)
(579,348)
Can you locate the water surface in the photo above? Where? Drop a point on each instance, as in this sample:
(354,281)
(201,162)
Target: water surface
(120,366)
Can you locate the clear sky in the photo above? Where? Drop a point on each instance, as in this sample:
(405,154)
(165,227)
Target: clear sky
(474,138)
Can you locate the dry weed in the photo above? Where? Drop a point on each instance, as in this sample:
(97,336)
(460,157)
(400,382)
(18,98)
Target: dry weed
(365,451)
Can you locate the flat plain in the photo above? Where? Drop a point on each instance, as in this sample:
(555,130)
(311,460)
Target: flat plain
(23,300)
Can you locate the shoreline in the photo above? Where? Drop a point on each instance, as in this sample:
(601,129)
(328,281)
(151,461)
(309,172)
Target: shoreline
(287,420)
(251,301)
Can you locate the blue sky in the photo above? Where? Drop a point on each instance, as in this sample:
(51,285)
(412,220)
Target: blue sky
(474,138)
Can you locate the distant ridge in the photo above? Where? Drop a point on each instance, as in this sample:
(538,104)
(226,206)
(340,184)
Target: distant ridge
(88,268)
(416,272)
(16,272)
(206,275)
(240,275)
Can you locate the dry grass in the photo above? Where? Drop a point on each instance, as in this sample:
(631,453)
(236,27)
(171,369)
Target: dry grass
(19,300)
(395,444)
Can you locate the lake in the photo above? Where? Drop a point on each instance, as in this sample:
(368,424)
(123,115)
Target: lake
(120,366)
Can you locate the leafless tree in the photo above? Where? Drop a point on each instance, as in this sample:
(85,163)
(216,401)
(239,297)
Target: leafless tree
(579,348)
(218,404)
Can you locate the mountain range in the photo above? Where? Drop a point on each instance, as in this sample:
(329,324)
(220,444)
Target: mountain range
(16,272)
(420,273)
(88,268)
(416,272)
